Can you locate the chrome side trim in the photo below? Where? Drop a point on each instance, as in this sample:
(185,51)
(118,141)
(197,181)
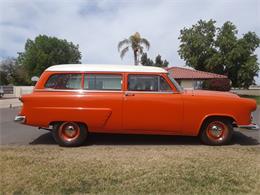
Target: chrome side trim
(152,92)
(20,119)
(250,127)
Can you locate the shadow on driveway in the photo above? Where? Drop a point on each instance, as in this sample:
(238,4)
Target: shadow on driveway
(122,139)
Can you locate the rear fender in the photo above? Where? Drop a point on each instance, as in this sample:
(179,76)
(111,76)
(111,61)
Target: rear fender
(92,117)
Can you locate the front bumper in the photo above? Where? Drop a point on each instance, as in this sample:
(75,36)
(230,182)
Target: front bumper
(250,127)
(20,119)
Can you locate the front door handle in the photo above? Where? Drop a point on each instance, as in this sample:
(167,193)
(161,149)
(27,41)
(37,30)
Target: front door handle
(129,94)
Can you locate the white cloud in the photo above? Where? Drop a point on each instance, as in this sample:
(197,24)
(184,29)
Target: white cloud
(97,26)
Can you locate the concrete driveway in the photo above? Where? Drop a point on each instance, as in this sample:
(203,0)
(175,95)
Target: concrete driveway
(13,133)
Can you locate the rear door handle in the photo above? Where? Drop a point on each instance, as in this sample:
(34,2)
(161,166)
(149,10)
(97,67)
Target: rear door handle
(129,94)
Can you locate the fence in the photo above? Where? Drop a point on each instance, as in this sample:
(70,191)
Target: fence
(255,92)
(8,89)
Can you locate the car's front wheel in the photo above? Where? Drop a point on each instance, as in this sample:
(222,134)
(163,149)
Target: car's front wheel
(69,134)
(216,131)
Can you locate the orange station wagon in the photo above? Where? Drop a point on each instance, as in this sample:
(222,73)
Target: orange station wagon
(75,99)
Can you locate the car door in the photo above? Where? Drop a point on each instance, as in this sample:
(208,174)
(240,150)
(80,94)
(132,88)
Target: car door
(150,104)
(103,99)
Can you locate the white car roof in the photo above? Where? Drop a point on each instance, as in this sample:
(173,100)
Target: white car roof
(104,68)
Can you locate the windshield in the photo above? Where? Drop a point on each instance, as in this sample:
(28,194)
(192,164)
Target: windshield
(175,83)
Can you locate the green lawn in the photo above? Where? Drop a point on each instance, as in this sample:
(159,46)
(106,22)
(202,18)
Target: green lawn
(157,169)
(257,98)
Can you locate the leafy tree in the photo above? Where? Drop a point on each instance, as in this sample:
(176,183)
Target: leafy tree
(158,61)
(3,78)
(137,44)
(209,48)
(217,84)
(45,51)
(196,44)
(12,73)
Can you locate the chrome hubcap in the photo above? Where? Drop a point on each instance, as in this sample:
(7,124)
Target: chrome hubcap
(70,130)
(216,130)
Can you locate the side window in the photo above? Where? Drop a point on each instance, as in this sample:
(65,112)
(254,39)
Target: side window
(64,81)
(164,86)
(142,83)
(102,82)
(147,83)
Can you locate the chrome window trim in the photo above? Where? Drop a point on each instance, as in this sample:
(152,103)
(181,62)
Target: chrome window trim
(103,91)
(76,90)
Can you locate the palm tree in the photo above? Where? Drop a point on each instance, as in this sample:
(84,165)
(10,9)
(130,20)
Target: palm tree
(137,43)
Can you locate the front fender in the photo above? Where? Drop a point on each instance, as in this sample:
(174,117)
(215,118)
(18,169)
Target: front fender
(215,115)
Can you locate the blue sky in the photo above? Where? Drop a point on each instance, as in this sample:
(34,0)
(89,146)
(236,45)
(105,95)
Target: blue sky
(97,26)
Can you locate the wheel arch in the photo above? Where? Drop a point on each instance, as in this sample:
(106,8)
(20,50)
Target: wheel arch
(231,118)
(60,122)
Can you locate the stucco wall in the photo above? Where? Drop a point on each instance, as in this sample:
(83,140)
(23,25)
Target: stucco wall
(187,84)
(20,90)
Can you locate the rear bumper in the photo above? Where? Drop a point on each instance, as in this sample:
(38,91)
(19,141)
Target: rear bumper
(20,119)
(251,126)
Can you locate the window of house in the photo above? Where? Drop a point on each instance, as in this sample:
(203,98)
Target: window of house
(64,81)
(147,83)
(197,84)
(102,82)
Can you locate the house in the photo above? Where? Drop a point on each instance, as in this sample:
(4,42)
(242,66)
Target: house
(190,78)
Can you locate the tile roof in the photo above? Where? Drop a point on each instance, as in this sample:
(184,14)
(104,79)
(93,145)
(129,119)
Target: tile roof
(186,73)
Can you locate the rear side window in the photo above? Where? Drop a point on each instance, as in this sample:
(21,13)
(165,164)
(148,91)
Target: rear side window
(102,82)
(64,81)
(147,83)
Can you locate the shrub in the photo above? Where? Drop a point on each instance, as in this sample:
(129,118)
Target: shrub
(217,84)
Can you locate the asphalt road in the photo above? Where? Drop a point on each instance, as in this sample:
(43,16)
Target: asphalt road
(16,134)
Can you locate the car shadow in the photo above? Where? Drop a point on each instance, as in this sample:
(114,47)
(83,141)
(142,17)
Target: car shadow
(44,139)
(245,139)
(125,139)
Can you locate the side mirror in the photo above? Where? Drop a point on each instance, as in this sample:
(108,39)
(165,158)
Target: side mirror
(35,79)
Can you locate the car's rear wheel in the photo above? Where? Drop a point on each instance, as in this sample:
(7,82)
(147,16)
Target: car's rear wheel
(216,131)
(69,134)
